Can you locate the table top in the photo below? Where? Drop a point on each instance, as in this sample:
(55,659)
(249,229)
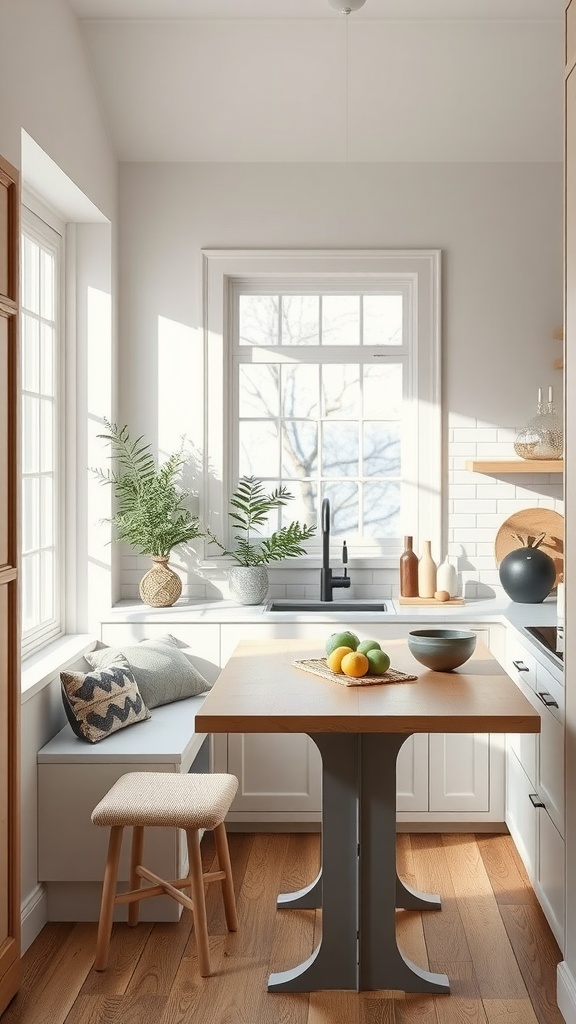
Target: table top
(260,690)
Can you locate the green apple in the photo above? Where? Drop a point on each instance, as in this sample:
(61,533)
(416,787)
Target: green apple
(342,639)
(368,645)
(379,662)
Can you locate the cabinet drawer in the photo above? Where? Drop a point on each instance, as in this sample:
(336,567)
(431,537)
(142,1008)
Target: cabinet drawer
(524,745)
(521,813)
(520,665)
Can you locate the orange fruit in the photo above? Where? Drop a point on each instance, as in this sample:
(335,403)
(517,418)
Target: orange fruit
(355,664)
(334,660)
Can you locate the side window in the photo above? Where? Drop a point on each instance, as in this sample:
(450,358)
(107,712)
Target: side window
(42,431)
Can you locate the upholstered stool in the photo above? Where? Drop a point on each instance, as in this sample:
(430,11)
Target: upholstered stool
(191,802)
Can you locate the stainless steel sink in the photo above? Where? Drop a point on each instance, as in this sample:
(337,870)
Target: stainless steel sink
(282,604)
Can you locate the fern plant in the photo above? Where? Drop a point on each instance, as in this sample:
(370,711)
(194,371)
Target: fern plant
(151,513)
(250,508)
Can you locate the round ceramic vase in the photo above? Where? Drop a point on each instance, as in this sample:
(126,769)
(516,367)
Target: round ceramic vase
(527,575)
(248,583)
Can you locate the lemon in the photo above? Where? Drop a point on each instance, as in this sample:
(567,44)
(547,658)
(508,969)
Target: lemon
(368,645)
(342,639)
(378,661)
(334,660)
(355,664)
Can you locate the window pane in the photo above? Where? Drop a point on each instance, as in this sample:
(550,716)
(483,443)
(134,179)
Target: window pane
(259,449)
(382,391)
(300,390)
(47,525)
(30,353)
(300,319)
(47,435)
(47,360)
(340,449)
(304,508)
(381,449)
(299,448)
(258,320)
(382,319)
(30,435)
(30,513)
(47,603)
(341,320)
(343,508)
(341,391)
(259,387)
(30,275)
(382,509)
(30,591)
(47,285)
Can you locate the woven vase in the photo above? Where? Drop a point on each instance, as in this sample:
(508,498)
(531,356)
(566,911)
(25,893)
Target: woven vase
(160,586)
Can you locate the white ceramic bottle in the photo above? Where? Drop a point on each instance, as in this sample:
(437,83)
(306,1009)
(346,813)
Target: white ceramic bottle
(427,572)
(447,577)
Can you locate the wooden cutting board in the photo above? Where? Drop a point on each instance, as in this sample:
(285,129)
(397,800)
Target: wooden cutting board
(530,522)
(430,600)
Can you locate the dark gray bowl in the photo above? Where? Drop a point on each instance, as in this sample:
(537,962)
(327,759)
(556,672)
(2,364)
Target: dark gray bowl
(442,649)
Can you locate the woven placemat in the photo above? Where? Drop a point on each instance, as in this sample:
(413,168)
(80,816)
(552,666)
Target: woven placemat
(319,667)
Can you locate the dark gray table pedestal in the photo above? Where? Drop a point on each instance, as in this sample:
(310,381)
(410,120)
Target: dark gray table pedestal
(358,887)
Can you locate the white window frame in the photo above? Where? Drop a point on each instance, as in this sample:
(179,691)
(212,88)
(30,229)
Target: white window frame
(42,224)
(416,270)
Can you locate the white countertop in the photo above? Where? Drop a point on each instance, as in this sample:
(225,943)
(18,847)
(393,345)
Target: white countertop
(473,610)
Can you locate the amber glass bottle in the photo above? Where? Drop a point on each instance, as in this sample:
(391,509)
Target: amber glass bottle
(408,570)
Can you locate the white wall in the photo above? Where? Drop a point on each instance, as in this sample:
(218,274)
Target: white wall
(500,229)
(47,89)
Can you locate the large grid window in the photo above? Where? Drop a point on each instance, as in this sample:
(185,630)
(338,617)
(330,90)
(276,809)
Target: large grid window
(318,385)
(323,375)
(42,553)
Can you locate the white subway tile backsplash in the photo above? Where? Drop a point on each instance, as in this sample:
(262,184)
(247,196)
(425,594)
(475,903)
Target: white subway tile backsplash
(478,505)
(473,435)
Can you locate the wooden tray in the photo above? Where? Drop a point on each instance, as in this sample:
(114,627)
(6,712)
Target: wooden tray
(530,522)
(430,600)
(318,667)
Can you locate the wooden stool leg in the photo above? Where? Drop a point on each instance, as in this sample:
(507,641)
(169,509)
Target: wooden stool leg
(197,890)
(224,864)
(108,894)
(135,879)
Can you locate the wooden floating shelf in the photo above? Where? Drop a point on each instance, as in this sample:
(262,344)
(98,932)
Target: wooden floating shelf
(515,465)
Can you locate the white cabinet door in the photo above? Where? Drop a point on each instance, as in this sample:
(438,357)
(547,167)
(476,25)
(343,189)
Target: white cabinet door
(549,883)
(279,775)
(460,772)
(412,775)
(521,814)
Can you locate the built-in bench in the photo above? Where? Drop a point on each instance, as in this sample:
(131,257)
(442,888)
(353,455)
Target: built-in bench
(73,776)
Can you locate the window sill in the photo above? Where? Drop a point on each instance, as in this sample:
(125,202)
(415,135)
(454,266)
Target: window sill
(40,669)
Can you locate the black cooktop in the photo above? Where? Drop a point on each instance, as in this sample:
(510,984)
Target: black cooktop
(551,638)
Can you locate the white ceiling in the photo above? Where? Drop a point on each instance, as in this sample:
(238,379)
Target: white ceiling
(295,81)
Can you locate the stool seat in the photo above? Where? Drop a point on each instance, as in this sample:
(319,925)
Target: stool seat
(158,798)
(194,803)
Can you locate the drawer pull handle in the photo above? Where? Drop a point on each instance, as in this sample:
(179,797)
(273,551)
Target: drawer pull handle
(548,699)
(535,800)
(520,666)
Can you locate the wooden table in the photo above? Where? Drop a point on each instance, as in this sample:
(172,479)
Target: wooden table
(359,731)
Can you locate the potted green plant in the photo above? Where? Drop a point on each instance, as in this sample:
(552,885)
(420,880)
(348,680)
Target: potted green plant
(251,506)
(151,513)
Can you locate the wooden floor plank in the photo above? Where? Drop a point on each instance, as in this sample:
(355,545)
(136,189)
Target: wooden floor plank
(505,870)
(495,965)
(538,956)
(500,956)
(443,929)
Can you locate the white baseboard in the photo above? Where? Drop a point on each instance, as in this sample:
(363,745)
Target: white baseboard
(566,993)
(33,915)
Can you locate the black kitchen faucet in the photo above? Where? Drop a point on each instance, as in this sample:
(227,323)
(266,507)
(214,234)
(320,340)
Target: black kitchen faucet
(327,581)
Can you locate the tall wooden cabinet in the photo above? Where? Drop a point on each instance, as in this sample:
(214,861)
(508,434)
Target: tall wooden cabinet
(9,604)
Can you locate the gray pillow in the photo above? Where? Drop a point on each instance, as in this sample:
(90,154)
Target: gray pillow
(163,672)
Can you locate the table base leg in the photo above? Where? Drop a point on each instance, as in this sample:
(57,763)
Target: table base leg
(308,898)
(334,963)
(408,898)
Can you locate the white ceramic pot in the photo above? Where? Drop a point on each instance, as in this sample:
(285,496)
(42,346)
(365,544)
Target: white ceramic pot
(248,583)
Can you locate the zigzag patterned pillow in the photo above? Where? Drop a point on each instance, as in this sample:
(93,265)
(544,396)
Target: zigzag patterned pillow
(101,702)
